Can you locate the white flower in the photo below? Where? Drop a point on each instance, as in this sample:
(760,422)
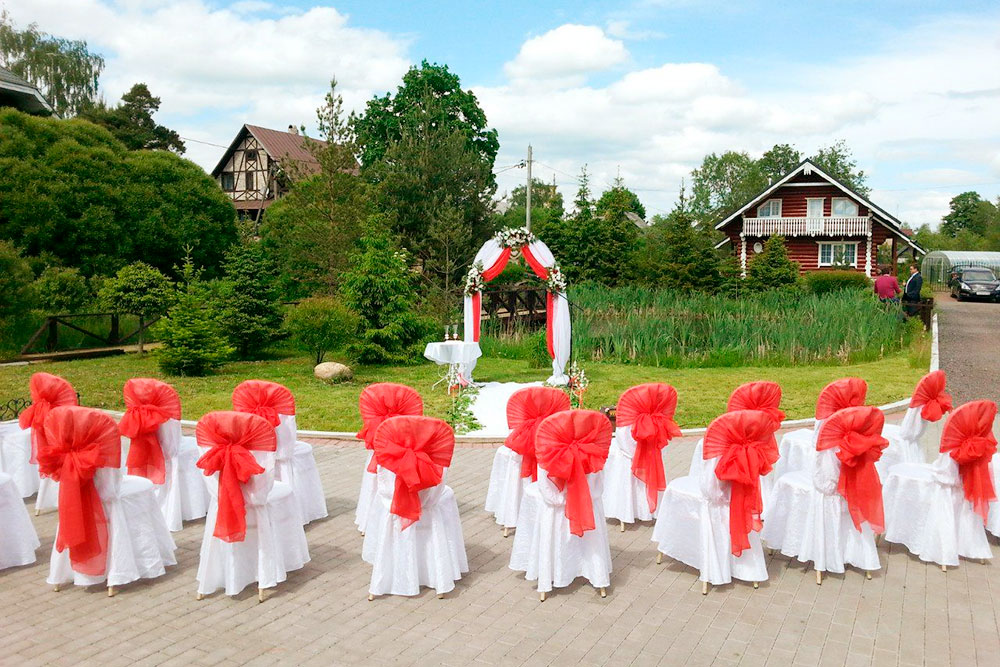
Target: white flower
(556,281)
(514,237)
(474,279)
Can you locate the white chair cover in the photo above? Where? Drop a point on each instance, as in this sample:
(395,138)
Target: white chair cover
(809,520)
(624,494)
(296,466)
(503,497)
(366,498)
(275,542)
(48,494)
(183,496)
(15,457)
(905,441)
(692,526)
(546,551)
(139,543)
(926,511)
(18,539)
(430,552)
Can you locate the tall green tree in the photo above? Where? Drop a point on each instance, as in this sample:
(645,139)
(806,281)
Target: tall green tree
(838,161)
(380,289)
(429,94)
(771,268)
(251,314)
(131,122)
(15,283)
(677,255)
(778,161)
(137,289)
(311,231)
(968,212)
(723,183)
(64,70)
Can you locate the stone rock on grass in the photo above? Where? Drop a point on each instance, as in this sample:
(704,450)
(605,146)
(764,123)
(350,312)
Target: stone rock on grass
(332,372)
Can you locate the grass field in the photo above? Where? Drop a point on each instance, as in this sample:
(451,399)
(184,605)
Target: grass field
(702,391)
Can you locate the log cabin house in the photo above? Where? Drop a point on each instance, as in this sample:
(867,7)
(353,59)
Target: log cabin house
(257,167)
(825,224)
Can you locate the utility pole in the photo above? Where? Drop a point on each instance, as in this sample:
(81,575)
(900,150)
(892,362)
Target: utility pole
(527,201)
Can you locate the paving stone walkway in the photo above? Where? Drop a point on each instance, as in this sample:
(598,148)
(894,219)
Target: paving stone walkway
(909,614)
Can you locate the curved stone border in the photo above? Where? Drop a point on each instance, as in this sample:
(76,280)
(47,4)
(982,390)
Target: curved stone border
(344,437)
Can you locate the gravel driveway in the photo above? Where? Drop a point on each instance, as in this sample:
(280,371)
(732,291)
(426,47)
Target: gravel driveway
(970,348)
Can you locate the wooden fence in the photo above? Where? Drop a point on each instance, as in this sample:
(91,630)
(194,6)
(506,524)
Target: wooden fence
(114,338)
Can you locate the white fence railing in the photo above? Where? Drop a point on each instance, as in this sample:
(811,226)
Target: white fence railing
(827,226)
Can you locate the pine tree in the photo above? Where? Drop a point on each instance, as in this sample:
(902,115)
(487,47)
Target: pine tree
(771,269)
(251,314)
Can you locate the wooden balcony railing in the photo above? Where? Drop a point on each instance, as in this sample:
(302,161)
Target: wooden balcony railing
(827,226)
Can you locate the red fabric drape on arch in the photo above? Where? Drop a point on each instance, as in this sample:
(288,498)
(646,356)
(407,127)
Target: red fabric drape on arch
(492,257)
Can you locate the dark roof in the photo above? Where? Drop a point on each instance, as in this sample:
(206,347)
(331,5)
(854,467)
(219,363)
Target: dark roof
(886,218)
(286,148)
(18,93)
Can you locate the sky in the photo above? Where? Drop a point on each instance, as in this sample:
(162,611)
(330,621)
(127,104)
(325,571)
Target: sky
(643,89)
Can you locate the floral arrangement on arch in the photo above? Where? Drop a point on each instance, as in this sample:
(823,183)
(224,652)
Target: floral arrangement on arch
(556,280)
(514,238)
(474,281)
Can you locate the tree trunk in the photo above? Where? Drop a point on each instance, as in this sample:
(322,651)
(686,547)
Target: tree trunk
(142,331)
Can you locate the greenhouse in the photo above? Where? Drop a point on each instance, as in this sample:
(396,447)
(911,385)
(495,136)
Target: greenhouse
(937,265)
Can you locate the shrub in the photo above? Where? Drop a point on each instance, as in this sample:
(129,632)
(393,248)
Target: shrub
(15,282)
(379,287)
(192,341)
(251,312)
(62,290)
(771,269)
(824,282)
(321,325)
(137,289)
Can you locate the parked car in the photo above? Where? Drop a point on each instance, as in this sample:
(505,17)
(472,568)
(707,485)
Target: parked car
(974,282)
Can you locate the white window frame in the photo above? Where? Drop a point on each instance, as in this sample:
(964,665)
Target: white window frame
(814,224)
(833,252)
(768,204)
(833,207)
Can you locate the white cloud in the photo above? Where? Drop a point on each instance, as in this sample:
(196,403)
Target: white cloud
(920,101)
(566,55)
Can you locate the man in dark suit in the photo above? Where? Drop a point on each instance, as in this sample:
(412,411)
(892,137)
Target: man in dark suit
(911,292)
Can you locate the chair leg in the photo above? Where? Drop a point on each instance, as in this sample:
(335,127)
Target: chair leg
(944,568)
(622,527)
(819,578)
(37,511)
(604,592)
(56,588)
(756,585)
(659,557)
(111,591)
(362,533)
(199,597)
(260,595)
(370,597)
(541,597)
(505,531)
(704,588)
(868,575)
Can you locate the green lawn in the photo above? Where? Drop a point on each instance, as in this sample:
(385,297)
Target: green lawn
(702,392)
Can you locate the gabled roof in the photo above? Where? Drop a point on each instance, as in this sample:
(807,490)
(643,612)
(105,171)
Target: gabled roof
(886,219)
(18,93)
(286,148)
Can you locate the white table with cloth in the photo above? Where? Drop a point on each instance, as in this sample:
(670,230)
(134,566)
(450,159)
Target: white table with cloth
(455,353)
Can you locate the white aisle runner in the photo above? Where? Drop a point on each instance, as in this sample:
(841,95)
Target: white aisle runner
(490,407)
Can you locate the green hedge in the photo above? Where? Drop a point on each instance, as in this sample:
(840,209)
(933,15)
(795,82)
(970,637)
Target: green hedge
(824,282)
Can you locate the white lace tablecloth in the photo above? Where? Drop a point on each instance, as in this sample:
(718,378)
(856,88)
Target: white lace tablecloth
(459,352)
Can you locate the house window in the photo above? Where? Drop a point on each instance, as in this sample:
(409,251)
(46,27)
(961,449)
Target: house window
(769,209)
(249,181)
(228,181)
(814,215)
(844,208)
(831,254)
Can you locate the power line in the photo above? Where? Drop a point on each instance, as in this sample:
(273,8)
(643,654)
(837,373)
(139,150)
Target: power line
(207,143)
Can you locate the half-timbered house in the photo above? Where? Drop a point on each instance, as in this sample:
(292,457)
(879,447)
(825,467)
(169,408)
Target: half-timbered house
(260,164)
(825,224)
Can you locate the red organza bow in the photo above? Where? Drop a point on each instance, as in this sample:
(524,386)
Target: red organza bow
(47,391)
(148,404)
(416,450)
(968,438)
(840,394)
(380,401)
(649,410)
(931,397)
(269,400)
(744,442)
(857,435)
(77,442)
(230,437)
(571,445)
(762,395)
(525,411)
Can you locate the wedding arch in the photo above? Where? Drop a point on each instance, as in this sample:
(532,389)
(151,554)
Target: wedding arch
(490,262)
